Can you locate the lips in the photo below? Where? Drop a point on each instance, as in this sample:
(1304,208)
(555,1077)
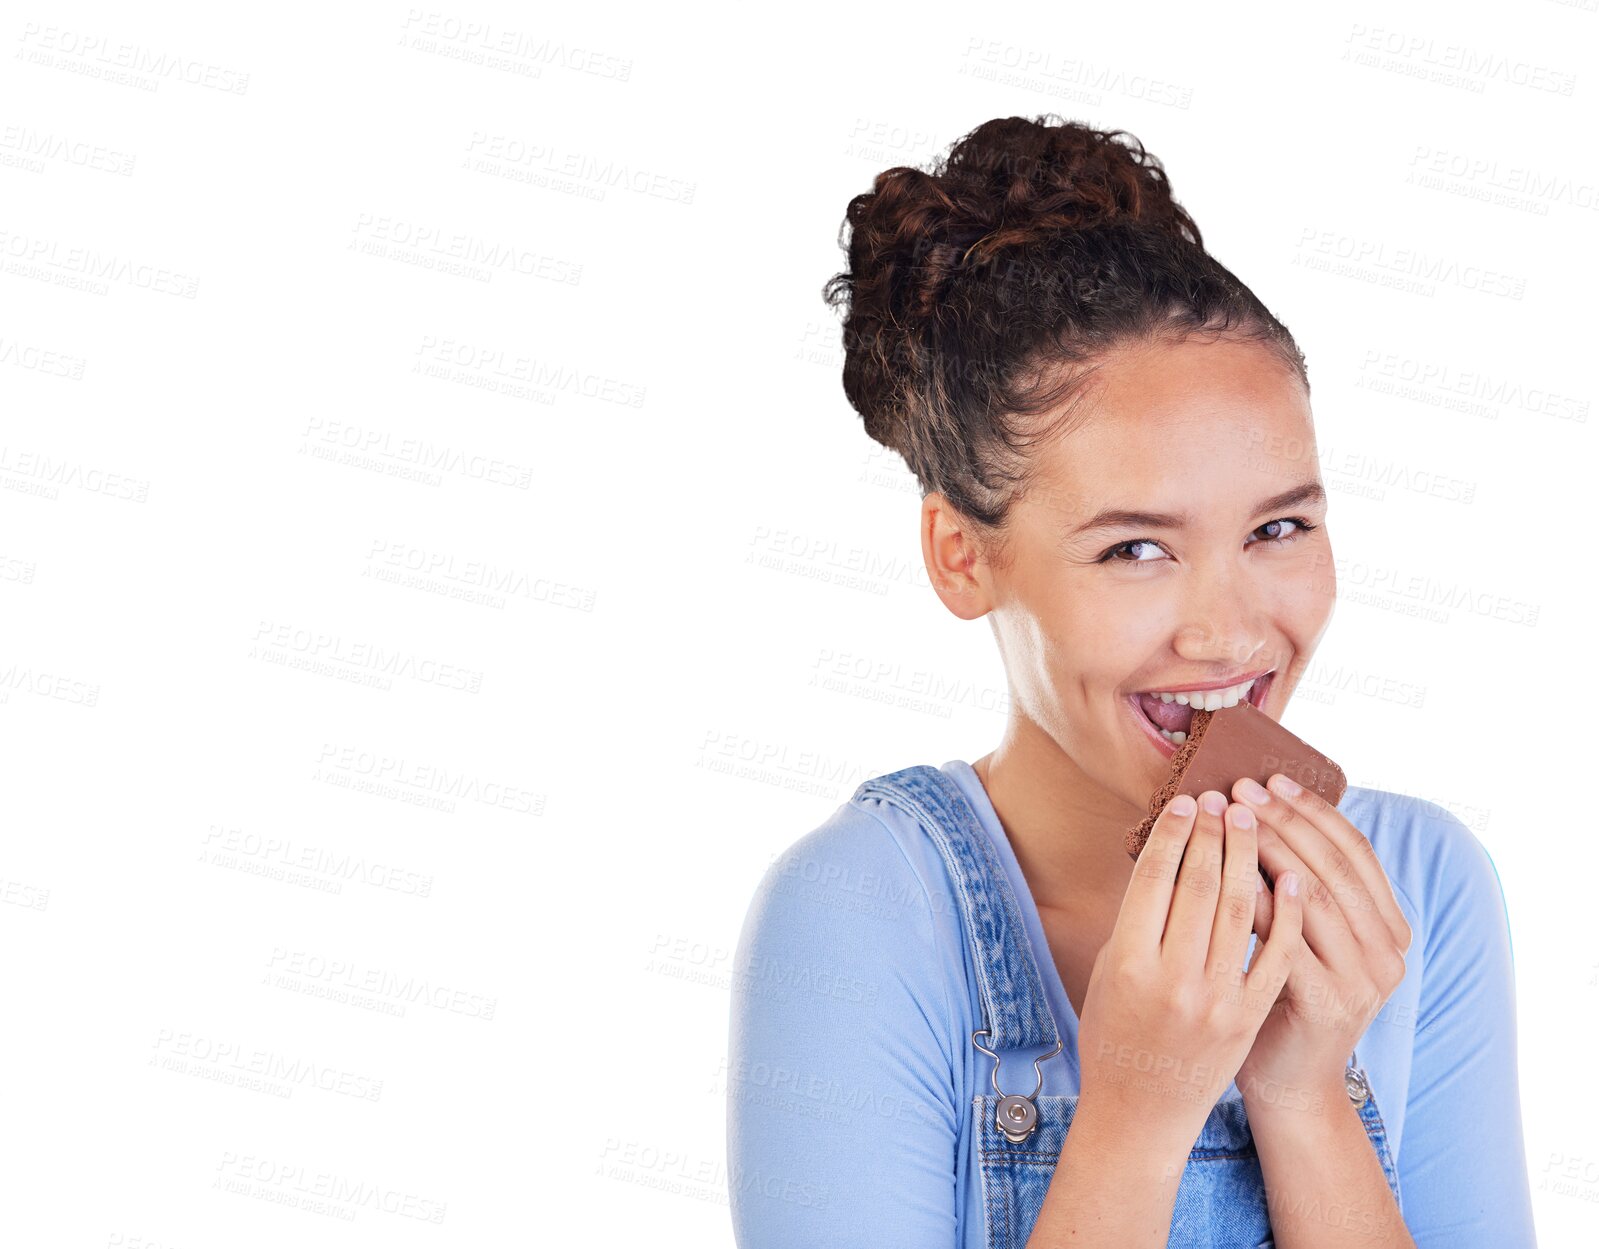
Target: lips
(1257,699)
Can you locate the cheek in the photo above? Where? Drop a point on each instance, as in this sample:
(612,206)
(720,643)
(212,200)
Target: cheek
(1031,649)
(1309,561)
(1309,594)
(1055,650)
(1088,634)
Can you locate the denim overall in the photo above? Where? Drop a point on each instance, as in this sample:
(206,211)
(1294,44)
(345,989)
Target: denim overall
(1221,1197)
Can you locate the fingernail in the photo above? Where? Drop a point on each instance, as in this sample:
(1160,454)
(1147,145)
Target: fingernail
(1243,817)
(1183,804)
(1253,790)
(1213,802)
(1291,883)
(1284,786)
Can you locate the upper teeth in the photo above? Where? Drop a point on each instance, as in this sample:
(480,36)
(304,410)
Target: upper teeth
(1210,700)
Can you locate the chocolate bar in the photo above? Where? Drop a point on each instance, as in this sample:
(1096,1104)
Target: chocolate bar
(1234,742)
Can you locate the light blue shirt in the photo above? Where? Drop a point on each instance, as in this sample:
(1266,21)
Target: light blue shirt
(852,1072)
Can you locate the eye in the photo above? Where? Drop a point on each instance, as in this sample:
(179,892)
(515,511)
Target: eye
(1278,535)
(1278,538)
(1110,556)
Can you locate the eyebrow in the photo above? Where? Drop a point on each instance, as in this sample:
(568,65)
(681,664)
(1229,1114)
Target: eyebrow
(1117,518)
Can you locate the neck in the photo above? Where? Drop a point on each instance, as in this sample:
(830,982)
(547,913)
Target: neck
(1065,829)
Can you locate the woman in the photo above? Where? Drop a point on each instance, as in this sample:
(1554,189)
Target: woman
(964,1016)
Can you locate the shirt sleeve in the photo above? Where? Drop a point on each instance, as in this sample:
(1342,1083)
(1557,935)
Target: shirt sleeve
(842,1127)
(1463,1165)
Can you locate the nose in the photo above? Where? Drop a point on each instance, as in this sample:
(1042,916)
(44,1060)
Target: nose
(1221,625)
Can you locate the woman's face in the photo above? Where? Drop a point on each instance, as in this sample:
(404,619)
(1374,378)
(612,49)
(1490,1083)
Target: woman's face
(1213,436)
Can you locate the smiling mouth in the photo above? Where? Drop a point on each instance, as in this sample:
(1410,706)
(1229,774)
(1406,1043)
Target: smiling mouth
(1166,718)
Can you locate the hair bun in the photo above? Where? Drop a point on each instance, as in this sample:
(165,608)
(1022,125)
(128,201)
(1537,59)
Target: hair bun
(980,293)
(1014,178)
(1010,182)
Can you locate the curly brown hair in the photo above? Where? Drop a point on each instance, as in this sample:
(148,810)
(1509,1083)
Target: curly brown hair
(985,292)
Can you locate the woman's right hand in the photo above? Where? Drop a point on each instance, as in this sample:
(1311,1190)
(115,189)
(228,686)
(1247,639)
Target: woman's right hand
(1170,1014)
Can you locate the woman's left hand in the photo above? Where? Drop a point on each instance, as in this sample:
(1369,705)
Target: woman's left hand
(1352,952)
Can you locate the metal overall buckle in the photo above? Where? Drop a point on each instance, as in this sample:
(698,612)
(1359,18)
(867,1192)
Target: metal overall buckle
(1355,1083)
(1016,1115)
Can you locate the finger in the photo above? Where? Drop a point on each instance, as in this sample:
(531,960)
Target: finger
(1193,906)
(1263,899)
(1235,910)
(1326,932)
(1264,909)
(1275,960)
(1341,856)
(1145,905)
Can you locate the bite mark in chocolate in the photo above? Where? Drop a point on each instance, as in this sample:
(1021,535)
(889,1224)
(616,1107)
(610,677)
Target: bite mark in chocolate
(1231,743)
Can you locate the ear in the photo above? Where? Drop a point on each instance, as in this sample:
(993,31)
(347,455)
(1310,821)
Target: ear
(955,566)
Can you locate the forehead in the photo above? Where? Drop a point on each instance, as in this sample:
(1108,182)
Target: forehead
(1197,425)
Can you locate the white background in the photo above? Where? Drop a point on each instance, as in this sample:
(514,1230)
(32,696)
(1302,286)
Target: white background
(386,829)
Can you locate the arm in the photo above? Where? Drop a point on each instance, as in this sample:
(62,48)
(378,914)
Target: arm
(1463,1163)
(1113,1186)
(1324,1186)
(842,1117)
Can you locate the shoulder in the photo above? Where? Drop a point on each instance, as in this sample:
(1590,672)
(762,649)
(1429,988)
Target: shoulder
(844,1059)
(867,862)
(1440,870)
(856,895)
(843,959)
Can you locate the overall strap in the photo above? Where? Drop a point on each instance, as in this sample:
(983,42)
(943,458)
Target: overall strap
(1009,986)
